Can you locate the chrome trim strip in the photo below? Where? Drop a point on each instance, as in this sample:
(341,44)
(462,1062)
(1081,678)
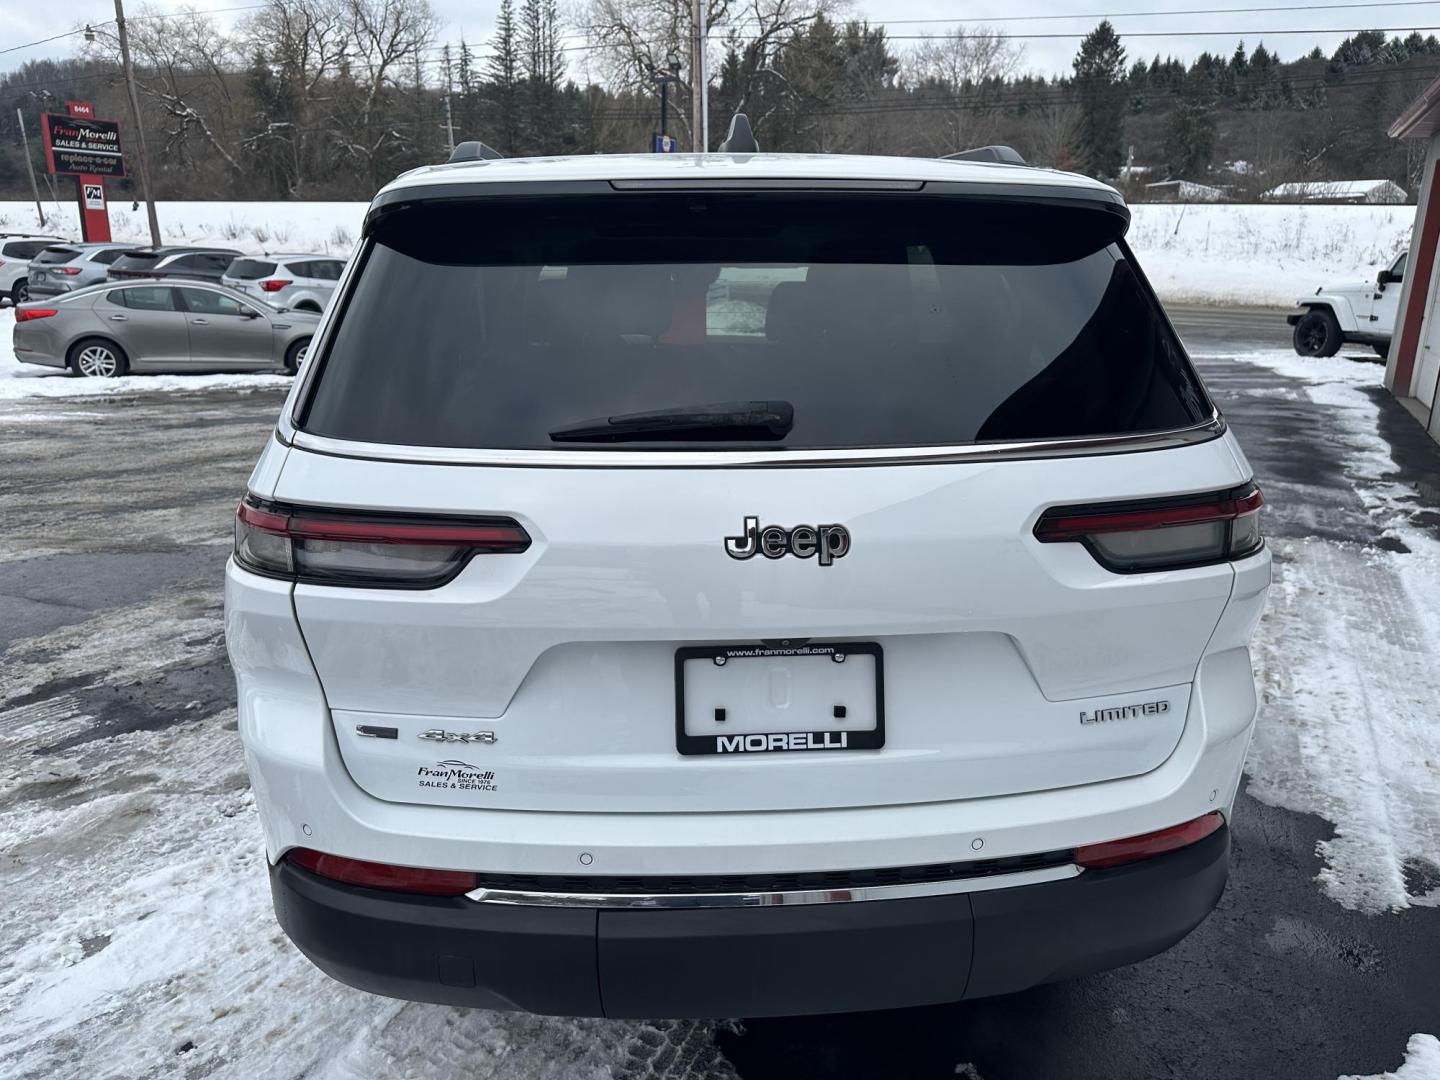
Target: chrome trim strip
(741,459)
(683,901)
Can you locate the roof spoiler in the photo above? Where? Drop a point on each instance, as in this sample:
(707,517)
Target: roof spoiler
(998,155)
(740,139)
(473,150)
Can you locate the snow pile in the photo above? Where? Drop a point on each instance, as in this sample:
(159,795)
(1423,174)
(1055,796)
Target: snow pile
(1346,655)
(1263,255)
(1225,253)
(1422,1062)
(329,228)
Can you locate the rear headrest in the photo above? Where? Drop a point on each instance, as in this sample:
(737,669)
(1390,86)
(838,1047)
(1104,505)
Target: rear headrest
(551,314)
(786,317)
(630,300)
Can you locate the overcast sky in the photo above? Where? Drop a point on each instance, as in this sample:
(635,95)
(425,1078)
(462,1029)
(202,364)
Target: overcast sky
(23,21)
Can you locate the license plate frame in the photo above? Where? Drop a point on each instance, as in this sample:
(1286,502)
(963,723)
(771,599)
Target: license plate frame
(708,746)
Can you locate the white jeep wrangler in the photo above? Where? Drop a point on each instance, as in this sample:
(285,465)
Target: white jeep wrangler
(1358,312)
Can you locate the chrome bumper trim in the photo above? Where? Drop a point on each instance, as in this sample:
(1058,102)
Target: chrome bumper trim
(684,901)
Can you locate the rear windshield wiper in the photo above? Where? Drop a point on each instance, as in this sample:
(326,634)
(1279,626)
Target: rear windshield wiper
(727,420)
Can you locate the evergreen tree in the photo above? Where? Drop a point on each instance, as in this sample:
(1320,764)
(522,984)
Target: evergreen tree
(502,72)
(1099,84)
(1190,134)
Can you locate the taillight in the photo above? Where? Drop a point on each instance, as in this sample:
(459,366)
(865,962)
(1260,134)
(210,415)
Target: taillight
(378,551)
(1161,534)
(1148,845)
(373,875)
(68,271)
(26,314)
(274,284)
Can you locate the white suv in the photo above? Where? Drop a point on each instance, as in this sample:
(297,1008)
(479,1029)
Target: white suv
(296,282)
(743,584)
(16,251)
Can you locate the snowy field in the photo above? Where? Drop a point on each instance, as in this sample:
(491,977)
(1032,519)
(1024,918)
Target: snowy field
(1234,254)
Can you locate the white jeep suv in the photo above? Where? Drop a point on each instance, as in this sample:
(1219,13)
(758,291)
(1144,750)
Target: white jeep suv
(742,584)
(1352,312)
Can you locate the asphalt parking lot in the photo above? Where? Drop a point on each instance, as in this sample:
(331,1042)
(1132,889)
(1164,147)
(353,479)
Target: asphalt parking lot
(118,509)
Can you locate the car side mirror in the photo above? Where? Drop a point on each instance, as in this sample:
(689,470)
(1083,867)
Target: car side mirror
(250,313)
(1385,278)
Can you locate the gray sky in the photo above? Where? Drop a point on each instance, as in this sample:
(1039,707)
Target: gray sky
(23,21)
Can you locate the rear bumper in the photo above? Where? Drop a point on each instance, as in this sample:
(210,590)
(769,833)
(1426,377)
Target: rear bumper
(769,961)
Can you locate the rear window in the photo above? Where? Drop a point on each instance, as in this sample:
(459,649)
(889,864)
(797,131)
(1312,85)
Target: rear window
(55,256)
(107,256)
(24,249)
(136,261)
(877,320)
(250,269)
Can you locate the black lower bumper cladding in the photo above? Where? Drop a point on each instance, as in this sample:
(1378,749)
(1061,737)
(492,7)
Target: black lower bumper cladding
(748,962)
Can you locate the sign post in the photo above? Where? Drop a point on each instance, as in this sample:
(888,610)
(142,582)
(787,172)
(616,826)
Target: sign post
(78,145)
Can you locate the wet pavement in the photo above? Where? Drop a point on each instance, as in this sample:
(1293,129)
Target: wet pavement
(123,505)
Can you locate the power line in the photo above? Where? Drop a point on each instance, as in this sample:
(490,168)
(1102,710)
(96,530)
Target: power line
(42,41)
(1370,4)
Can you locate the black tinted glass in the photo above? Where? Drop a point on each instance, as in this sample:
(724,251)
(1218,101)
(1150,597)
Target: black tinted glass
(25,249)
(250,269)
(106,257)
(205,302)
(55,256)
(884,320)
(136,262)
(146,298)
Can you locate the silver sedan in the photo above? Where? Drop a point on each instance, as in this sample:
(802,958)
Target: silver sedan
(108,330)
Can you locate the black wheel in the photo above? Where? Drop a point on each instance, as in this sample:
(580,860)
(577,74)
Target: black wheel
(1382,351)
(21,292)
(314,309)
(295,355)
(1317,333)
(98,358)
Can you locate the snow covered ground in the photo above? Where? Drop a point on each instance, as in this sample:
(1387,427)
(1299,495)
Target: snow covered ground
(137,937)
(1351,640)
(32,381)
(1422,1062)
(1223,253)
(1263,255)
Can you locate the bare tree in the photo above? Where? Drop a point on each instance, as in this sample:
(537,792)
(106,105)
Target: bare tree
(302,45)
(963,68)
(387,38)
(1055,134)
(184,65)
(633,39)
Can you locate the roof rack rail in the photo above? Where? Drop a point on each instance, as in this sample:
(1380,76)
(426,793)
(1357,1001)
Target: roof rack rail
(473,150)
(1000,155)
(740,139)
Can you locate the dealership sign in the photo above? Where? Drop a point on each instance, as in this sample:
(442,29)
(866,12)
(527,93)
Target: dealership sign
(79,146)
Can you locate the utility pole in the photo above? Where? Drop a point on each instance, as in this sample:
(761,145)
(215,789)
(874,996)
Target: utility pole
(449,120)
(29,165)
(145,191)
(697,77)
(704,79)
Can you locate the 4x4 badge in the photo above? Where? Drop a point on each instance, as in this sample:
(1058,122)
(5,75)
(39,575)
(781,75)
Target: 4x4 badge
(441,735)
(829,542)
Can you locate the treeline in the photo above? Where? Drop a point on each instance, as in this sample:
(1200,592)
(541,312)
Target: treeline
(329,99)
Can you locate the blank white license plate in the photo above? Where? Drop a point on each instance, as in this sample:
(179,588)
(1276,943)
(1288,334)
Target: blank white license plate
(766,700)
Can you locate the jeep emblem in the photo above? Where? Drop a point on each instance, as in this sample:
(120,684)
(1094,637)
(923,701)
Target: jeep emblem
(829,542)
